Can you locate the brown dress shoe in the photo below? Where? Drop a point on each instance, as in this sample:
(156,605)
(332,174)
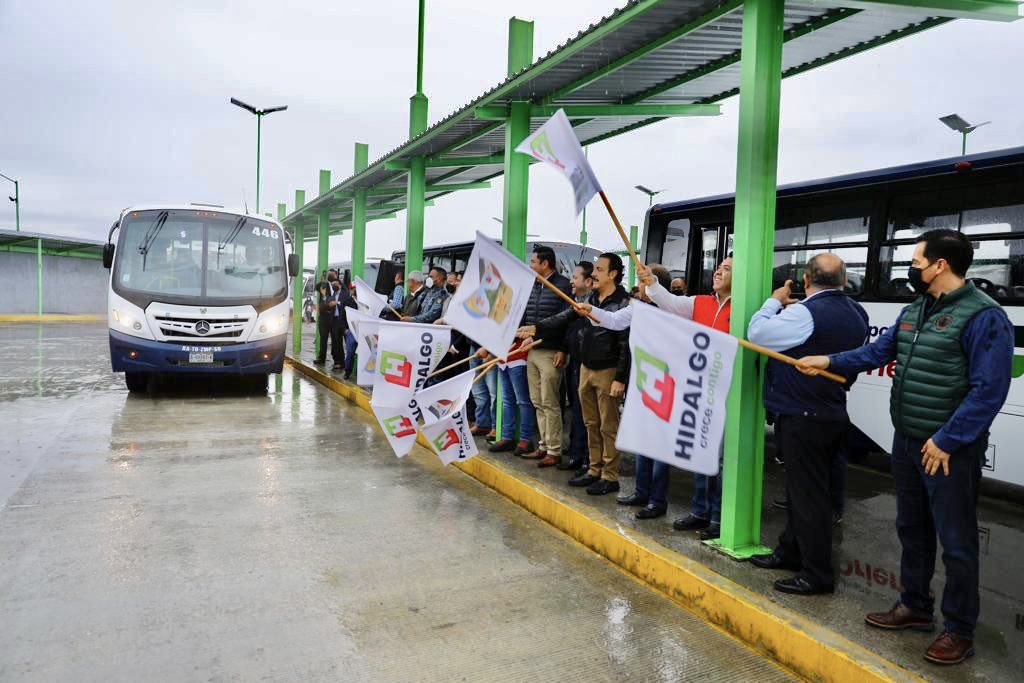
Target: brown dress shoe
(898,618)
(479,431)
(538,454)
(550,460)
(949,648)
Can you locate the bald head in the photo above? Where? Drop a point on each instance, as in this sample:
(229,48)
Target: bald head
(825,271)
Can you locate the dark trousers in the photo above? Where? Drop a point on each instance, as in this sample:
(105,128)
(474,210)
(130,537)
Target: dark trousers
(332,330)
(578,450)
(946,506)
(652,481)
(811,445)
(350,351)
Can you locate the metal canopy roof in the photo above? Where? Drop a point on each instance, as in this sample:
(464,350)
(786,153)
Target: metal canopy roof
(11,240)
(647,52)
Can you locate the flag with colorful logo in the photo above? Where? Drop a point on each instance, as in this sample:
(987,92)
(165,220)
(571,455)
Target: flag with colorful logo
(494,292)
(450,438)
(678,384)
(406,354)
(364,329)
(399,426)
(445,398)
(369,301)
(556,145)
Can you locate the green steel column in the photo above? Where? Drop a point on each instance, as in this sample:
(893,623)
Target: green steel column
(756,168)
(414,214)
(323,242)
(583,230)
(517,129)
(362,160)
(634,235)
(39,276)
(300,249)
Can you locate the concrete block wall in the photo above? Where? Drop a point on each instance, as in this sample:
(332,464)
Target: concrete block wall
(73,286)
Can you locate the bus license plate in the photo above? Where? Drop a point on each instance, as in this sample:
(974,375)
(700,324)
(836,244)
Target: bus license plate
(201,357)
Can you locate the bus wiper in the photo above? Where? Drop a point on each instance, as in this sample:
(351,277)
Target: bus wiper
(239,224)
(151,234)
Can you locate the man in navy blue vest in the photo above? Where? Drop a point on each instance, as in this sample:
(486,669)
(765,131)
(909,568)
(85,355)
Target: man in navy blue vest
(811,412)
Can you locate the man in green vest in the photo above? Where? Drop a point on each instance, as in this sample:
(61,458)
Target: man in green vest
(953,348)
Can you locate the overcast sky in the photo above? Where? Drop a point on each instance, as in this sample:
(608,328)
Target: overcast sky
(109,104)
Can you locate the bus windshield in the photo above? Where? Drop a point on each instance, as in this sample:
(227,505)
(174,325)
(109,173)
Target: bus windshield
(200,256)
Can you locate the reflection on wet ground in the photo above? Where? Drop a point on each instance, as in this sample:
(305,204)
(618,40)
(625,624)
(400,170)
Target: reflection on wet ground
(217,534)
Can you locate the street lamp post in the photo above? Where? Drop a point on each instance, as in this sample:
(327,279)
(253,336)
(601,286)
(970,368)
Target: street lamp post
(959,125)
(17,203)
(650,194)
(260,113)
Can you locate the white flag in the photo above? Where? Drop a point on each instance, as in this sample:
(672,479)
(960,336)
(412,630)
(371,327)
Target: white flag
(365,329)
(439,401)
(556,144)
(450,438)
(678,384)
(490,302)
(369,301)
(406,353)
(399,426)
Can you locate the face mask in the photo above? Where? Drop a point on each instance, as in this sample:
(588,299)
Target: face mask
(914,275)
(450,288)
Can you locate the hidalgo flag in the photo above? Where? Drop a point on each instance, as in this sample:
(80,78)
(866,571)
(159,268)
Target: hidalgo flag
(364,329)
(490,302)
(406,353)
(399,426)
(441,400)
(369,301)
(556,144)
(678,383)
(450,438)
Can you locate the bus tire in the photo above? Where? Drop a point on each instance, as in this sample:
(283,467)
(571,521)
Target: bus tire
(257,384)
(136,381)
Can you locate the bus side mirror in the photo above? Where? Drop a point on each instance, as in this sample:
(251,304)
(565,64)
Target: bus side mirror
(293,264)
(108,255)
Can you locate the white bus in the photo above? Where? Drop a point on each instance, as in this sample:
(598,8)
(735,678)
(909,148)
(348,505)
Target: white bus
(197,290)
(870,220)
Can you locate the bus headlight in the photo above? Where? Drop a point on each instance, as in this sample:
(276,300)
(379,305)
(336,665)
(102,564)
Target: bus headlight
(271,323)
(126,318)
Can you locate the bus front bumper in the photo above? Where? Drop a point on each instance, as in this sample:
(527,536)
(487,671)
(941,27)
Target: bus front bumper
(133,354)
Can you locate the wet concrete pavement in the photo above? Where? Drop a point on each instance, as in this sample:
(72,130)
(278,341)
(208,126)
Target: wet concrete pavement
(867,559)
(207,534)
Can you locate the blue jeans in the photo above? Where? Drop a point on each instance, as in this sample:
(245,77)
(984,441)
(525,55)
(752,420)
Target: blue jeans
(652,481)
(350,351)
(485,395)
(707,498)
(515,392)
(578,448)
(947,506)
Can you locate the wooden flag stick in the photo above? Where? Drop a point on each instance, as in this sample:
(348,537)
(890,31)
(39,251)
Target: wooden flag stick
(491,363)
(622,233)
(787,359)
(562,295)
(449,367)
(489,367)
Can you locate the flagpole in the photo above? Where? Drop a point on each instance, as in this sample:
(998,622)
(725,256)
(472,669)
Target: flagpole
(787,359)
(449,367)
(562,295)
(491,363)
(622,233)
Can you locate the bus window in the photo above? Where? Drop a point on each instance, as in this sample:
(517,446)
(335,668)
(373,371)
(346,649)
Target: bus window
(790,265)
(841,230)
(996,219)
(708,258)
(677,242)
(914,214)
(818,230)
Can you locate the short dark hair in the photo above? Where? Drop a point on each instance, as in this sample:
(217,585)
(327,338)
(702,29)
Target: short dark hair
(545,253)
(439,269)
(587,267)
(951,246)
(826,279)
(614,263)
(661,273)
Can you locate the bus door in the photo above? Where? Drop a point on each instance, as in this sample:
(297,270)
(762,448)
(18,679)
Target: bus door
(710,245)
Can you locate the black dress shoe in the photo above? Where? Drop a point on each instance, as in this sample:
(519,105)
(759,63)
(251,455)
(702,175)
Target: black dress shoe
(631,499)
(712,532)
(690,523)
(317,361)
(773,561)
(601,487)
(650,512)
(584,480)
(798,585)
(569,465)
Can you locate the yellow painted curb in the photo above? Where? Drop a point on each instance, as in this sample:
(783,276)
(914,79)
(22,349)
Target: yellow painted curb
(56,318)
(798,643)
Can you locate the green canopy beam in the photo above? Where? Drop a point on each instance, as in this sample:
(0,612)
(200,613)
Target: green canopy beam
(991,10)
(448,162)
(451,187)
(499,113)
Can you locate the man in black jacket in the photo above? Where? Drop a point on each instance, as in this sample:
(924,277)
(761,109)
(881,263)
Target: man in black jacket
(604,355)
(543,373)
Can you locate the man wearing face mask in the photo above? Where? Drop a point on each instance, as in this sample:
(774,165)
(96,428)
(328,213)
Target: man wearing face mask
(954,351)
